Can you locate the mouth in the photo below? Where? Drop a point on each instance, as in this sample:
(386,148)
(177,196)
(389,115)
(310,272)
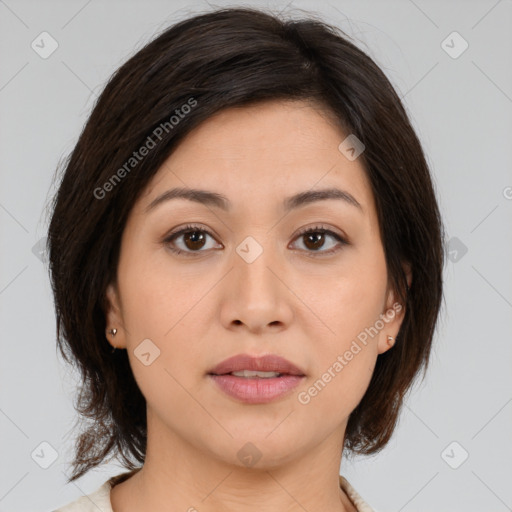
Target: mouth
(254,380)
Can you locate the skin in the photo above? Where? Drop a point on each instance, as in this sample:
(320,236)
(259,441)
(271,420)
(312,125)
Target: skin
(292,301)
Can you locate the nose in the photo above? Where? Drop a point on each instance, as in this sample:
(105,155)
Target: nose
(258,297)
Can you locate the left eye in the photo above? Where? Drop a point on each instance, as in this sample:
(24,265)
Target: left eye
(194,239)
(315,237)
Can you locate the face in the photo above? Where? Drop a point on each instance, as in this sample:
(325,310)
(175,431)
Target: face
(248,280)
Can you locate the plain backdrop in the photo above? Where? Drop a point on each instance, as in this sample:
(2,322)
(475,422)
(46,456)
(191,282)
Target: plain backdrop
(452,450)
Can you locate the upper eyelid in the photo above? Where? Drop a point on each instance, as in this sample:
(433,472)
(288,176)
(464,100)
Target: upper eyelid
(206,230)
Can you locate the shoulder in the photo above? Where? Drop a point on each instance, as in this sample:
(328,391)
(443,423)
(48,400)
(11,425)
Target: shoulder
(97,501)
(354,496)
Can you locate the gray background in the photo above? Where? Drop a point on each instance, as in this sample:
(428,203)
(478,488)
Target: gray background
(462,110)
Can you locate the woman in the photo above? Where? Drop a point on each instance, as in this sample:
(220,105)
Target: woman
(246,254)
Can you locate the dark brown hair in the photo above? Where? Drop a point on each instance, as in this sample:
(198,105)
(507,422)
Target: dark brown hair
(225,58)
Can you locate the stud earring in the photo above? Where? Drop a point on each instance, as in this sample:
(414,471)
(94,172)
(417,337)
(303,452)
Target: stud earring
(112,332)
(391,341)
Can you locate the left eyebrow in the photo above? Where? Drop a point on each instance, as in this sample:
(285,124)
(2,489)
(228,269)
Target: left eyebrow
(311,196)
(218,200)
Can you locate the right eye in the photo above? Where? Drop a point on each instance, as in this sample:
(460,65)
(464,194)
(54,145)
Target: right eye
(193,236)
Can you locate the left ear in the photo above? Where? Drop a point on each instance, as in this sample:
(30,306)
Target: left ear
(114,318)
(393,315)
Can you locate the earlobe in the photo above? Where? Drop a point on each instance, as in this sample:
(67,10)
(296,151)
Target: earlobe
(392,320)
(114,331)
(393,316)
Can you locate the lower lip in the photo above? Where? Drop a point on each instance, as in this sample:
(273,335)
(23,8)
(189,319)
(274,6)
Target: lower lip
(256,390)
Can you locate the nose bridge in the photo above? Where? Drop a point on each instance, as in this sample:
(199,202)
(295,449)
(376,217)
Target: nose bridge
(252,263)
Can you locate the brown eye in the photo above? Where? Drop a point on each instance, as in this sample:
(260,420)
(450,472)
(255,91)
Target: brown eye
(192,240)
(314,239)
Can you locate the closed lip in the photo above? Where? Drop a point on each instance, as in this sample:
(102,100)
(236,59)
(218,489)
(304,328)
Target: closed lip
(266,363)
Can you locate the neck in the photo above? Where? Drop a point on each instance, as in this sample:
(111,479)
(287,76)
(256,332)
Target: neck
(180,476)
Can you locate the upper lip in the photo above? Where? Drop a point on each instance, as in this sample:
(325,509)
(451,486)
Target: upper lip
(266,363)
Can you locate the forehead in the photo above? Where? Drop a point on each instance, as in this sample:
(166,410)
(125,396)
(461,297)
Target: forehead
(263,151)
(285,131)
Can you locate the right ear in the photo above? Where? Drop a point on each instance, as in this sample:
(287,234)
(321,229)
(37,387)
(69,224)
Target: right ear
(114,318)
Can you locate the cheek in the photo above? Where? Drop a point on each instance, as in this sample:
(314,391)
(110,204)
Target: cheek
(344,361)
(353,299)
(155,295)
(159,308)
(350,306)
(160,305)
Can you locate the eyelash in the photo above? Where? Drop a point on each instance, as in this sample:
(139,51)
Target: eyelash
(189,228)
